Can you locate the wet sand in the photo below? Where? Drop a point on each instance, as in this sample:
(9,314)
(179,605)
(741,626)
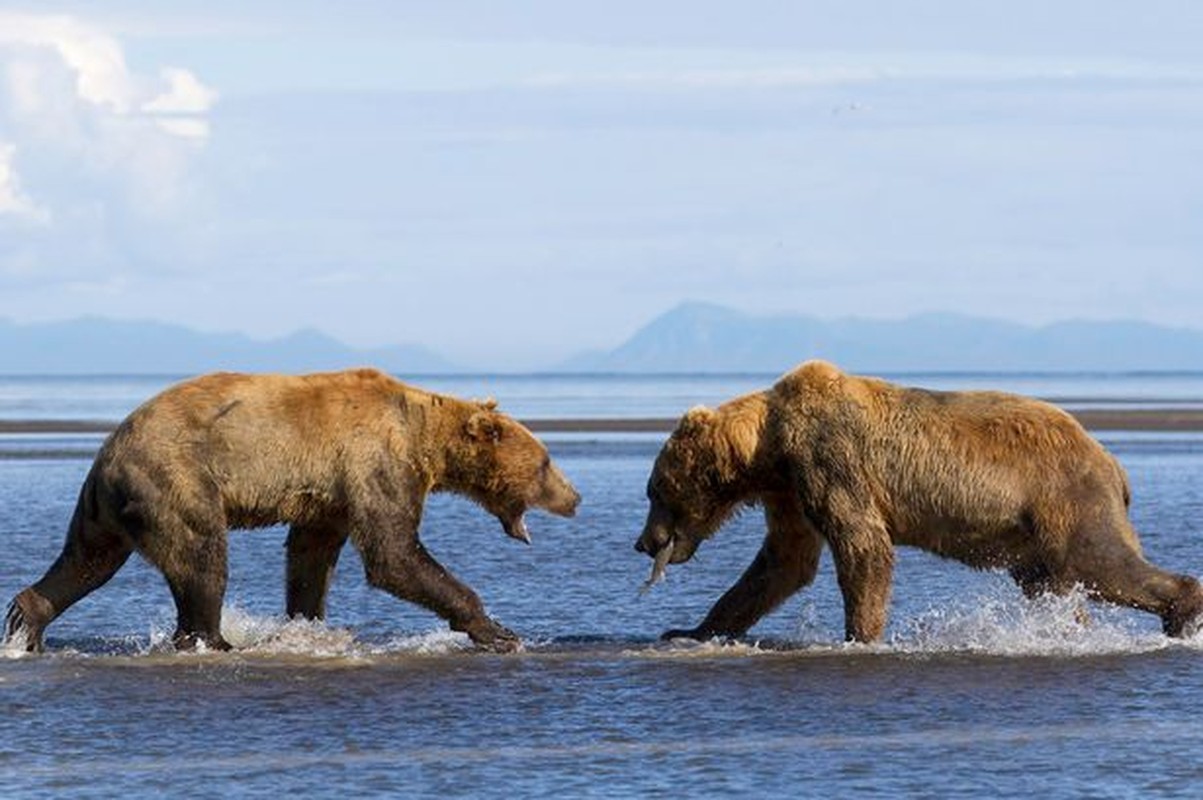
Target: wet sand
(1096,419)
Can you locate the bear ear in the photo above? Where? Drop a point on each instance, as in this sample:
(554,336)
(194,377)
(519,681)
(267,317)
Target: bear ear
(696,420)
(488,404)
(483,426)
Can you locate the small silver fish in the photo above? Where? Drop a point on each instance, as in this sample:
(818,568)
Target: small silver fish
(658,568)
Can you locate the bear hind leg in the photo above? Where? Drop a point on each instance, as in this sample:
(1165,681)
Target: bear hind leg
(1036,581)
(313,551)
(1127,579)
(91,556)
(1104,557)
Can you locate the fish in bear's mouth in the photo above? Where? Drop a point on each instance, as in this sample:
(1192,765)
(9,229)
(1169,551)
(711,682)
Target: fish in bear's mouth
(659,566)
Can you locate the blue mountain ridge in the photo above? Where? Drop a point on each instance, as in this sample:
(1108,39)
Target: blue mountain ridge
(692,337)
(701,337)
(97,346)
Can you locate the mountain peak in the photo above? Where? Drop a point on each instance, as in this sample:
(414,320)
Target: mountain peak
(704,337)
(95,345)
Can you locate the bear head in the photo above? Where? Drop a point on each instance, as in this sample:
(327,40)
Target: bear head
(504,468)
(698,479)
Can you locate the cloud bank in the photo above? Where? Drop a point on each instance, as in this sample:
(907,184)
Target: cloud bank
(85,140)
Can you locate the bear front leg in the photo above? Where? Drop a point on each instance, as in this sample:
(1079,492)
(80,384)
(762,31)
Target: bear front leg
(786,562)
(864,566)
(401,566)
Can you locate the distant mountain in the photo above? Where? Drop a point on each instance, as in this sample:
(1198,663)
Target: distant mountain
(697,337)
(693,337)
(101,346)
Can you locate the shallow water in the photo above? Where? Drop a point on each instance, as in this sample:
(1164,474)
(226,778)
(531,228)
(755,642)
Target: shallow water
(975,689)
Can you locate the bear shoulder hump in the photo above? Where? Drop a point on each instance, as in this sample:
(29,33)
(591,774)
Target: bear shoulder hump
(811,377)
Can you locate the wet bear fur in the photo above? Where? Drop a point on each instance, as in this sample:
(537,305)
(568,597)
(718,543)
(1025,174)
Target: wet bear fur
(860,465)
(335,456)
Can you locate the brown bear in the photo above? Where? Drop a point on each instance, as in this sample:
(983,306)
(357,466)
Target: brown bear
(334,456)
(993,480)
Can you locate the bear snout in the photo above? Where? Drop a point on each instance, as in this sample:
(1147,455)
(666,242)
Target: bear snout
(576,502)
(654,538)
(560,497)
(567,504)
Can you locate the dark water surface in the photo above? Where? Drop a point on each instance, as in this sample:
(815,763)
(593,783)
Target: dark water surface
(976,691)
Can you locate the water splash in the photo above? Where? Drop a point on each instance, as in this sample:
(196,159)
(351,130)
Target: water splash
(274,635)
(15,647)
(998,622)
(438,642)
(711,649)
(1005,623)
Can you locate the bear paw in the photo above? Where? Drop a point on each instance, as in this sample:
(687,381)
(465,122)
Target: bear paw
(494,638)
(696,634)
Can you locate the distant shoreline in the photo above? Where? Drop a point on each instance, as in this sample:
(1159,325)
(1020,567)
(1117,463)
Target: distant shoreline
(1095,419)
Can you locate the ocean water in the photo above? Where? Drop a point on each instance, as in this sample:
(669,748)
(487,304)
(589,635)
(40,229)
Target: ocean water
(975,690)
(625,396)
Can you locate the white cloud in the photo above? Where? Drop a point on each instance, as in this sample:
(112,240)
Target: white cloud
(12,199)
(185,94)
(102,77)
(91,149)
(185,128)
(179,110)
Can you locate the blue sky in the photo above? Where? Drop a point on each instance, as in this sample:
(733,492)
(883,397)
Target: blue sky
(510,183)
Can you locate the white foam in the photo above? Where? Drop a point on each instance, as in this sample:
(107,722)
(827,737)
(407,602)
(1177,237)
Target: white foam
(278,635)
(438,642)
(14,647)
(686,648)
(998,622)
(275,635)
(1006,623)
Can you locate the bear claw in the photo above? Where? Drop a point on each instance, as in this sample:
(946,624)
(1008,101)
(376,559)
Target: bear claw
(493,638)
(509,642)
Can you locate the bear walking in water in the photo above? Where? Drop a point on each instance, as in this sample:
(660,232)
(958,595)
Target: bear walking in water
(336,456)
(990,479)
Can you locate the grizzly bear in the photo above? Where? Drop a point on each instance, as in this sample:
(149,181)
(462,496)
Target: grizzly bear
(994,480)
(333,455)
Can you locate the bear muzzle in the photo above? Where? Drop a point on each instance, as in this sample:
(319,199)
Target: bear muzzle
(665,547)
(653,539)
(562,502)
(559,496)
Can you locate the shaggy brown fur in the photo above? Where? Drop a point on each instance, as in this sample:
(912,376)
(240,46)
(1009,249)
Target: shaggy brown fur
(990,479)
(335,456)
